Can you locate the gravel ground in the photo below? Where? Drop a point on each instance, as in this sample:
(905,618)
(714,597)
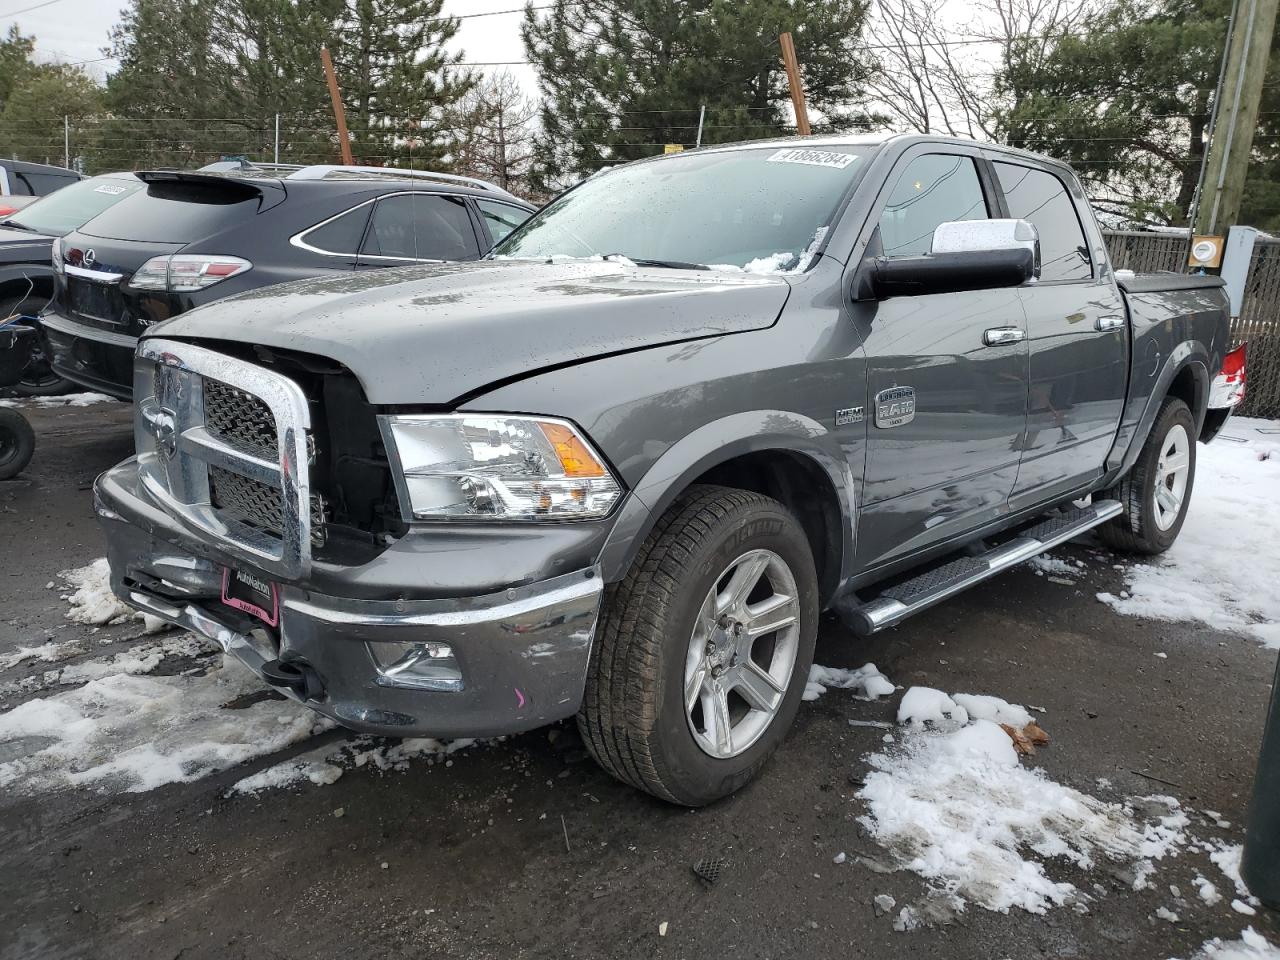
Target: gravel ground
(524,848)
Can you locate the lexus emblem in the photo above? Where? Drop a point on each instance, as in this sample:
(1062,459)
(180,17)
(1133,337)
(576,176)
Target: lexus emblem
(90,257)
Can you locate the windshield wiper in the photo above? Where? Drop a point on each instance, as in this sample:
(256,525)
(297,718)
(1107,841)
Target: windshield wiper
(668,264)
(15,225)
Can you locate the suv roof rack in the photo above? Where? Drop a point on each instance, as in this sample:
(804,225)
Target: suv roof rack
(325,171)
(247,166)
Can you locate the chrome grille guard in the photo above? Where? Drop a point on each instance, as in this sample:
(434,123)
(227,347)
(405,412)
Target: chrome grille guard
(176,449)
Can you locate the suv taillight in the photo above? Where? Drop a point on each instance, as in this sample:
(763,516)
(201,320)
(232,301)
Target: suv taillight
(1228,386)
(186,271)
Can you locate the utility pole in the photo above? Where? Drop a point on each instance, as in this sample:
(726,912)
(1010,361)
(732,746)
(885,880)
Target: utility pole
(339,114)
(702,115)
(66,141)
(793,78)
(1231,139)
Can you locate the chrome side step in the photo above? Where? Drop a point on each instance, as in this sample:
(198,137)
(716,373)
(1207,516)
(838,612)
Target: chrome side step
(933,586)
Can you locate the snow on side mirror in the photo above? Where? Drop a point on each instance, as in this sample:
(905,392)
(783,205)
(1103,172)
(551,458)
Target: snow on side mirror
(982,236)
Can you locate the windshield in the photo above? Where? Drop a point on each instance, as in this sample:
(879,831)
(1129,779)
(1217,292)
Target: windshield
(761,210)
(74,205)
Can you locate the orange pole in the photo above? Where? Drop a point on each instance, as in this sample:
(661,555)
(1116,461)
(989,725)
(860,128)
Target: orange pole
(793,78)
(339,114)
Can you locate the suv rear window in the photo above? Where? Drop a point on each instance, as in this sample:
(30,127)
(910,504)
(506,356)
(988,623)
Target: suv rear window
(177,211)
(72,206)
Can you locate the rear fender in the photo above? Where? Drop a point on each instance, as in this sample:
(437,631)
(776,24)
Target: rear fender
(711,445)
(1189,354)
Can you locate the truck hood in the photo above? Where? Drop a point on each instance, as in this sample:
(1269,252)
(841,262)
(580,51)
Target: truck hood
(434,334)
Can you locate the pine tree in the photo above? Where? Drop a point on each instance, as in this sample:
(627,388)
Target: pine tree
(397,80)
(620,78)
(16,65)
(1129,101)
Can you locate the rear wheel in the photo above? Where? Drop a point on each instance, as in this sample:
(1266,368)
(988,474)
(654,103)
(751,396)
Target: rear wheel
(704,648)
(17,443)
(1157,491)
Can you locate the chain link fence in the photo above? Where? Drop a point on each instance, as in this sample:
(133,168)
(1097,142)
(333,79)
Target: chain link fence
(1259,320)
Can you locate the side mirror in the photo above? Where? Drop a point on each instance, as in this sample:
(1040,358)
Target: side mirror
(965,255)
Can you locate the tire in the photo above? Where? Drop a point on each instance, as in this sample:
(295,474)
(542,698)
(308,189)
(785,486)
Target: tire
(634,718)
(38,379)
(1149,523)
(17,443)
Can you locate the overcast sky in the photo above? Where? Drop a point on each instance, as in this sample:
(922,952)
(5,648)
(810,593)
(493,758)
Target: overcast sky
(71,31)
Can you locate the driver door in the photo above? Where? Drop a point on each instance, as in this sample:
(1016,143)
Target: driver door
(946,405)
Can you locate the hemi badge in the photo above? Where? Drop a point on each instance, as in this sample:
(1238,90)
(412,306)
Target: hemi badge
(848,415)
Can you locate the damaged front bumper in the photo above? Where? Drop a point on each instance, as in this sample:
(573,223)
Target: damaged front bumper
(485,665)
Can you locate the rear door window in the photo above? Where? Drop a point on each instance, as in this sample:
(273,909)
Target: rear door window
(501,218)
(341,235)
(419,226)
(1040,197)
(932,189)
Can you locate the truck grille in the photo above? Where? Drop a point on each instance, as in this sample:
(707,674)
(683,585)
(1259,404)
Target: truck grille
(224,445)
(240,418)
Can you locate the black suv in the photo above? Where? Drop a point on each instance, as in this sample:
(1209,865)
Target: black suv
(26,264)
(192,238)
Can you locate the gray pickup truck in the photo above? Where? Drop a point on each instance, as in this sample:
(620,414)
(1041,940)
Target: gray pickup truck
(618,468)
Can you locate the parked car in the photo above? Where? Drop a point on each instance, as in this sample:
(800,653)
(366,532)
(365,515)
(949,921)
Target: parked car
(193,238)
(21,183)
(618,469)
(26,264)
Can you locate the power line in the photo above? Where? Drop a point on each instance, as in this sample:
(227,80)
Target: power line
(14,13)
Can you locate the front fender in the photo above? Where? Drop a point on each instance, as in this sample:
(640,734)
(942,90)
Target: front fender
(18,275)
(709,446)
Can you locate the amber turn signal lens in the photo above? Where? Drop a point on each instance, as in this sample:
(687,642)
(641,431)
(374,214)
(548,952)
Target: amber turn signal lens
(575,458)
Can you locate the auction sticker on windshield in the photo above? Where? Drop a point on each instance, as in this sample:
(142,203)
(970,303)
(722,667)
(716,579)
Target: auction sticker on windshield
(814,158)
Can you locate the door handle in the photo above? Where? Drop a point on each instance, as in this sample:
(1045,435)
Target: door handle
(1109,323)
(997,336)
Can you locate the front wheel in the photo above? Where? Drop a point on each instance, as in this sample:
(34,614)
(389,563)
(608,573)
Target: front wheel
(704,648)
(1157,491)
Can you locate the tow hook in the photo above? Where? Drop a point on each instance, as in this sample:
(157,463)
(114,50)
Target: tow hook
(295,676)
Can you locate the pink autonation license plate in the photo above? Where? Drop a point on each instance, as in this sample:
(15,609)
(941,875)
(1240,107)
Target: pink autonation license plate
(250,593)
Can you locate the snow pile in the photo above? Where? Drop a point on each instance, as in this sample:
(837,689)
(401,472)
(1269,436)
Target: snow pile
(867,682)
(1251,946)
(92,601)
(921,705)
(135,733)
(324,767)
(954,805)
(1055,568)
(66,400)
(981,707)
(1224,566)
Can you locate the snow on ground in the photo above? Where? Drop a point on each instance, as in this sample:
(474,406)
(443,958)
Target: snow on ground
(123,732)
(326,765)
(92,601)
(867,682)
(1251,946)
(1224,566)
(66,400)
(953,804)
